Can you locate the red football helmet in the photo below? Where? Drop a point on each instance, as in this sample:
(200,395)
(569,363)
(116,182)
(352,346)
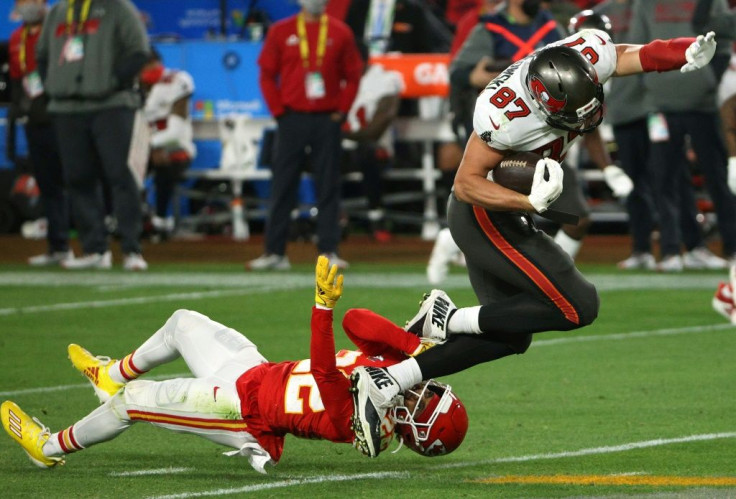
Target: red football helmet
(435,424)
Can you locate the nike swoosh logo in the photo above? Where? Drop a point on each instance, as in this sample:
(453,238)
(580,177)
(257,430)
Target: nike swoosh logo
(496,127)
(603,42)
(215,392)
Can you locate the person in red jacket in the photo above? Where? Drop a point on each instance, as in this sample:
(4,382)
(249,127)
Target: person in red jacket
(310,69)
(239,399)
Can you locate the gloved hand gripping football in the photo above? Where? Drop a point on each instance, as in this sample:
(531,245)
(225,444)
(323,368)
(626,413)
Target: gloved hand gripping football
(545,191)
(328,287)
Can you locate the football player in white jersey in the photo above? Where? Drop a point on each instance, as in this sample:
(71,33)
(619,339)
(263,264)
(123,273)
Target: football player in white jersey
(525,283)
(168,93)
(369,143)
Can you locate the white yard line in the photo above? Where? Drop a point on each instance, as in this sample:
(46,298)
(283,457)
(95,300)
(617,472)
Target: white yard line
(158,471)
(285,483)
(511,459)
(140,300)
(595,450)
(633,334)
(238,285)
(604,282)
(61,388)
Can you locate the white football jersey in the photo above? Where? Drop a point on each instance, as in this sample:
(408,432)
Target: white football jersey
(174,85)
(507,118)
(375,84)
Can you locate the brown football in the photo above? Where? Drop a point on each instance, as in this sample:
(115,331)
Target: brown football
(516,171)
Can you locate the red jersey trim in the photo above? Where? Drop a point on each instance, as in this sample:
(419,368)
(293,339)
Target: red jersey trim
(205,424)
(527,267)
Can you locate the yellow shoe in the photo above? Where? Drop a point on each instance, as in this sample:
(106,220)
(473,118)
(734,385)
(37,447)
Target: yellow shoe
(95,369)
(29,433)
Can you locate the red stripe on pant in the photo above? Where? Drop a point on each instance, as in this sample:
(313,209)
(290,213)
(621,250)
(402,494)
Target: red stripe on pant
(234,425)
(522,263)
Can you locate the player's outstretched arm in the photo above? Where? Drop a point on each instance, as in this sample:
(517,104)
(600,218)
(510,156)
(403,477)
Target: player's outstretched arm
(333,385)
(685,54)
(328,285)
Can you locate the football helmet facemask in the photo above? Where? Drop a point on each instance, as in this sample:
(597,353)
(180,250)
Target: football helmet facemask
(565,87)
(434,426)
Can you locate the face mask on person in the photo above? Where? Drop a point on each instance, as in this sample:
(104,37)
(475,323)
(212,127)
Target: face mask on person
(314,7)
(31,13)
(531,7)
(152,74)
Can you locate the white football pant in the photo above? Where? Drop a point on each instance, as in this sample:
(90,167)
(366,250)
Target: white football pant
(207,405)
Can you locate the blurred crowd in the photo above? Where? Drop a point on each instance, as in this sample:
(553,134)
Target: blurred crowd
(104,117)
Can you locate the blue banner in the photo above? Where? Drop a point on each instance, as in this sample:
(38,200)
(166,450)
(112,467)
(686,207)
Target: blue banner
(187,19)
(197,19)
(225,76)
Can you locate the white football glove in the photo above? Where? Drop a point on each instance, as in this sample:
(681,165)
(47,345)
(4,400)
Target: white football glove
(700,52)
(732,174)
(545,192)
(618,181)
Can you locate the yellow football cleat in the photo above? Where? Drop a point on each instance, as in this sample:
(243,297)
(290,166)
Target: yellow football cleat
(29,433)
(95,369)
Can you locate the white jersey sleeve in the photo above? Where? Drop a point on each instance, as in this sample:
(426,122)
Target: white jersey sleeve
(597,47)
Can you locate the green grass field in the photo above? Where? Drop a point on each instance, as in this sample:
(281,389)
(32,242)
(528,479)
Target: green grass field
(639,404)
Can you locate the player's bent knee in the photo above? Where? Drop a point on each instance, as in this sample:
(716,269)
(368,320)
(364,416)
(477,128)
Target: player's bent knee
(520,343)
(179,315)
(588,312)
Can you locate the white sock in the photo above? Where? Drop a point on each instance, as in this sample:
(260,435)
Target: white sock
(465,320)
(100,425)
(406,373)
(569,245)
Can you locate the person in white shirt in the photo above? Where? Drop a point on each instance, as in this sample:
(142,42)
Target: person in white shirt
(168,94)
(368,138)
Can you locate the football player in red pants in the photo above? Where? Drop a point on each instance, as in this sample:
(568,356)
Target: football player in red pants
(239,399)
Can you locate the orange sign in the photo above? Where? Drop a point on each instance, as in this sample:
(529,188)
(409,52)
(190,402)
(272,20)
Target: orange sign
(424,74)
